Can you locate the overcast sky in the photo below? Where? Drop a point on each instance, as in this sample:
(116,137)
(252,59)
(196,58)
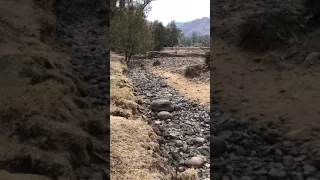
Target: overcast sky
(179,10)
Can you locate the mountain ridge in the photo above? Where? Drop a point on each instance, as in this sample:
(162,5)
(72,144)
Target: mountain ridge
(199,26)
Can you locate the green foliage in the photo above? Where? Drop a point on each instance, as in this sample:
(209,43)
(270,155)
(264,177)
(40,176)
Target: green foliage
(173,34)
(195,40)
(130,32)
(160,36)
(165,36)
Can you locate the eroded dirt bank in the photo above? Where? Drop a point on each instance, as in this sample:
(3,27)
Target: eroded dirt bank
(50,129)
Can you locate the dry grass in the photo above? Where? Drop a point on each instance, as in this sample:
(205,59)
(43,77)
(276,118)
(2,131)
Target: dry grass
(123,102)
(132,148)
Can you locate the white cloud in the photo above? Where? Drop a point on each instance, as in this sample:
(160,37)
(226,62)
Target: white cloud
(179,10)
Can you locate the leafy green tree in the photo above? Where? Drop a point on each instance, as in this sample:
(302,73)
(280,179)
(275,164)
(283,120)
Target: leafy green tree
(160,36)
(186,41)
(173,34)
(194,38)
(130,32)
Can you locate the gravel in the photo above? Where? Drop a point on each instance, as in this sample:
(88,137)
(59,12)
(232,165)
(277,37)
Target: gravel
(185,135)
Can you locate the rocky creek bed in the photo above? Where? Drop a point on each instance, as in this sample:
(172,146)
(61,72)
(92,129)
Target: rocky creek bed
(82,31)
(243,151)
(183,125)
(84,35)
(239,148)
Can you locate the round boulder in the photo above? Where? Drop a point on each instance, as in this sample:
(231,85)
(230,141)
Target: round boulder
(164,115)
(162,105)
(196,161)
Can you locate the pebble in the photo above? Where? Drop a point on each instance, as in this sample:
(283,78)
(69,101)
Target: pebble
(179,143)
(277,173)
(195,161)
(199,140)
(309,170)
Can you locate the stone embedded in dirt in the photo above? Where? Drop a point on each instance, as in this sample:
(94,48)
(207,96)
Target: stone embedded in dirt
(225,134)
(204,150)
(179,143)
(316,162)
(312,57)
(245,178)
(312,178)
(287,144)
(293,135)
(300,158)
(217,146)
(277,173)
(284,66)
(96,176)
(156,63)
(309,170)
(164,115)
(176,107)
(161,105)
(198,140)
(196,161)
(316,127)
(288,161)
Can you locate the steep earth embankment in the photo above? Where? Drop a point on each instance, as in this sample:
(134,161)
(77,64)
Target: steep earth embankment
(49,127)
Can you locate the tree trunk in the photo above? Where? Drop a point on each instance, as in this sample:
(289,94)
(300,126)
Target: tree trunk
(125,56)
(122,4)
(129,58)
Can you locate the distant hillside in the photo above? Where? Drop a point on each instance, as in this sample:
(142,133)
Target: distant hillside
(179,24)
(200,26)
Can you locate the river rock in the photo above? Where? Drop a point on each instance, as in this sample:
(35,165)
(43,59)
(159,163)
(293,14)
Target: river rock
(162,105)
(164,115)
(195,161)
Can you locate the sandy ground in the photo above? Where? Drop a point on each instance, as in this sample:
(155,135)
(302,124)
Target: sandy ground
(173,68)
(265,91)
(197,91)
